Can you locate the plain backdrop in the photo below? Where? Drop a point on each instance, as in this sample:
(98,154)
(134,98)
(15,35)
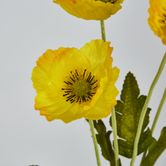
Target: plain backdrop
(27,29)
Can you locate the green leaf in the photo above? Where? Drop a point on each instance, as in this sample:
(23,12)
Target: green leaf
(155,150)
(103,139)
(128,110)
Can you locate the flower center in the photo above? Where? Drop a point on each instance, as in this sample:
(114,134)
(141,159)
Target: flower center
(164,18)
(80,87)
(110,1)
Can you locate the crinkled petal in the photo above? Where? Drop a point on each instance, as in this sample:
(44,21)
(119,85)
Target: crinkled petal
(157,18)
(107,100)
(90,9)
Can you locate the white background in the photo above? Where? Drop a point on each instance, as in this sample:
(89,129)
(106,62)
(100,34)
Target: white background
(27,29)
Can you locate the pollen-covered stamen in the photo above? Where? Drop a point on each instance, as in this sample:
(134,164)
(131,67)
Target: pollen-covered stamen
(80,87)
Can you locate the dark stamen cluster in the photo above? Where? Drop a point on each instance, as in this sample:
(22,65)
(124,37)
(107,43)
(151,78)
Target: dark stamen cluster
(106,1)
(80,87)
(164,19)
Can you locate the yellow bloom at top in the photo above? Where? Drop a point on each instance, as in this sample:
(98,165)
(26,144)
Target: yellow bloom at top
(76,83)
(91,9)
(157,18)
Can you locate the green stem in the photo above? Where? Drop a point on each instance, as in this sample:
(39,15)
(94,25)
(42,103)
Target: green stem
(159,111)
(103,35)
(156,119)
(144,109)
(95,142)
(114,127)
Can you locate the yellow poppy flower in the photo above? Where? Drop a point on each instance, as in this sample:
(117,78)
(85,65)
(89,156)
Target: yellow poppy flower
(74,83)
(90,9)
(157,18)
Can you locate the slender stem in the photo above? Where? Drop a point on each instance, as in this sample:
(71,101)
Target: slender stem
(144,109)
(103,35)
(95,142)
(159,111)
(114,127)
(156,118)
(90,121)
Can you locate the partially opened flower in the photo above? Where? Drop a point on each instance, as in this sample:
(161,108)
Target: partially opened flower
(91,9)
(74,83)
(157,18)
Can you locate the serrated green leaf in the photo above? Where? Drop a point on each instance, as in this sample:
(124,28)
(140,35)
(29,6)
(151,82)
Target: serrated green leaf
(155,150)
(128,111)
(103,139)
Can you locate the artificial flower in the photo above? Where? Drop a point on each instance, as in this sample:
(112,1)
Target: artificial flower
(76,83)
(91,9)
(157,18)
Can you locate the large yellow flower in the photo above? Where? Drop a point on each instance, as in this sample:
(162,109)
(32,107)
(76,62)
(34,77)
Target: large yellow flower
(91,9)
(74,83)
(157,18)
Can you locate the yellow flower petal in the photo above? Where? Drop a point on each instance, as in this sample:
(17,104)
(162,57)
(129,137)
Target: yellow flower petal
(76,83)
(91,9)
(157,18)
(107,99)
